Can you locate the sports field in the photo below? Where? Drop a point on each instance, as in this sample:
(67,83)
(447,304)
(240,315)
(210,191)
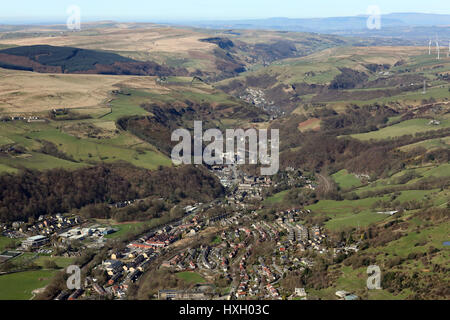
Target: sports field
(19,286)
(191,277)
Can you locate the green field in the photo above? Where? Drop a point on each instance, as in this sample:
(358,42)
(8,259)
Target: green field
(38,161)
(122,229)
(345,179)
(359,213)
(68,137)
(442,170)
(412,241)
(61,262)
(333,206)
(125,228)
(128,104)
(24,257)
(191,277)
(403,128)
(83,142)
(429,144)
(19,286)
(348,213)
(7,169)
(409,97)
(432,236)
(276,198)
(107,150)
(4,241)
(356,281)
(349,219)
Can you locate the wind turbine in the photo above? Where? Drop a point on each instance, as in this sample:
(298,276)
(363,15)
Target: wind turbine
(429,47)
(438,52)
(448,53)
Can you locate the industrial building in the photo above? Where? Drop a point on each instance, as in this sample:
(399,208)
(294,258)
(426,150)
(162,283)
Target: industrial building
(34,242)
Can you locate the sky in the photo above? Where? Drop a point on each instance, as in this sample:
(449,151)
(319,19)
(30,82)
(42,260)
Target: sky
(178,10)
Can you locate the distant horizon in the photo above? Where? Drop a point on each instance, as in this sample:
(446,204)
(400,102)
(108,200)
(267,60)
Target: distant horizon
(51,11)
(93,19)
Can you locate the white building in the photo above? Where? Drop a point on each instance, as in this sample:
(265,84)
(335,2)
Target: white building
(34,242)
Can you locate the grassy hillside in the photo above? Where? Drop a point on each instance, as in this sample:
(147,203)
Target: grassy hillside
(25,93)
(430,144)
(346,180)
(84,136)
(381,195)
(69,59)
(407,264)
(389,75)
(197,50)
(74,150)
(407,246)
(52,59)
(403,128)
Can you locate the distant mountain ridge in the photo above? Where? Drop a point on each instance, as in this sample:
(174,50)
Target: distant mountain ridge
(331,23)
(416,27)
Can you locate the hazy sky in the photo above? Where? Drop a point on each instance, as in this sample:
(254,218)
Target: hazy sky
(148,10)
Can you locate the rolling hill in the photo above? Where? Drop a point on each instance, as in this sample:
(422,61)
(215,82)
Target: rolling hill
(336,77)
(210,54)
(51,59)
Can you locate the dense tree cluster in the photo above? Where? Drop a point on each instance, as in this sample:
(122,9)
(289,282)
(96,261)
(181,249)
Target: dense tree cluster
(357,119)
(348,79)
(32,193)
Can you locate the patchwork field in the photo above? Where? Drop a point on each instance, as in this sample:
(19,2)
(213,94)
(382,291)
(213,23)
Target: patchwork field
(363,212)
(368,75)
(348,213)
(97,138)
(321,67)
(107,119)
(23,93)
(78,150)
(412,243)
(421,172)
